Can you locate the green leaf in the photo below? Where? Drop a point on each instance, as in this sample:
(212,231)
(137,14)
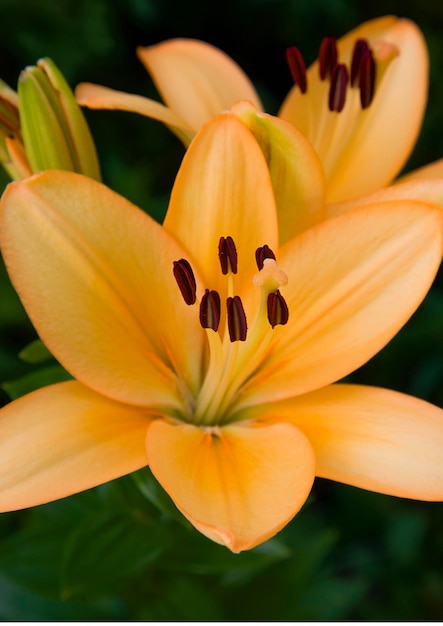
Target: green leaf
(19,604)
(35,352)
(154,492)
(40,378)
(107,551)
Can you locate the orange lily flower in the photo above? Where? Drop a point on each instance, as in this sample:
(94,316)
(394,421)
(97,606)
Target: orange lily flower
(197,352)
(361,104)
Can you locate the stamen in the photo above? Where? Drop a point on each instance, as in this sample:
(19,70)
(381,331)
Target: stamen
(366,83)
(210,310)
(262,253)
(361,49)
(327,57)
(297,67)
(227,253)
(185,278)
(278,312)
(237,324)
(337,90)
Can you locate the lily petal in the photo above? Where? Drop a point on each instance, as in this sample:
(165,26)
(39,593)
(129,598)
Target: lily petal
(373,438)
(393,119)
(195,79)
(432,170)
(296,172)
(239,484)
(63,439)
(95,276)
(414,188)
(206,205)
(98,97)
(354,281)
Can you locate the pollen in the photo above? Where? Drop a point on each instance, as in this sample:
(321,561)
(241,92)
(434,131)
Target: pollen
(278,312)
(361,73)
(210,310)
(262,253)
(237,324)
(232,322)
(227,254)
(297,67)
(185,278)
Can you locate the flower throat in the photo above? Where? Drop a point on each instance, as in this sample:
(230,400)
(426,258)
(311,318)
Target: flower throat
(229,365)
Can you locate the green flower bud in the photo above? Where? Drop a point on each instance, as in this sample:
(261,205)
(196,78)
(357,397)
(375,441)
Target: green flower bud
(55,133)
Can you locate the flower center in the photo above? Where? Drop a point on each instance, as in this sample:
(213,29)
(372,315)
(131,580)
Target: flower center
(338,102)
(236,348)
(362,73)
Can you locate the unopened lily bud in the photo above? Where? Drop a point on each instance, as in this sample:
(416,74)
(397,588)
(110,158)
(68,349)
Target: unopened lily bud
(54,131)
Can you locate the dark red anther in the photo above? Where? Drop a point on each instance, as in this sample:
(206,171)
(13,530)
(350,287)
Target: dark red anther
(297,67)
(185,278)
(227,253)
(361,48)
(278,312)
(237,325)
(210,310)
(338,87)
(262,253)
(327,57)
(366,83)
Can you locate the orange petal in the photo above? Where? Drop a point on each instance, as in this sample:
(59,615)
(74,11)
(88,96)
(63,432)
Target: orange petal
(238,485)
(432,170)
(354,281)
(373,438)
(63,439)
(195,79)
(95,275)
(296,172)
(414,188)
(375,143)
(98,97)
(223,188)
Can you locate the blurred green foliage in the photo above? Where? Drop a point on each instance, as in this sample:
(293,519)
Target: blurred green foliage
(122,552)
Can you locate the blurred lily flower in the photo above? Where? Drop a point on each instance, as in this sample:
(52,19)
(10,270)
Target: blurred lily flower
(12,152)
(206,348)
(361,104)
(42,127)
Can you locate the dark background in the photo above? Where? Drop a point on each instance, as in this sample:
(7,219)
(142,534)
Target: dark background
(110,554)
